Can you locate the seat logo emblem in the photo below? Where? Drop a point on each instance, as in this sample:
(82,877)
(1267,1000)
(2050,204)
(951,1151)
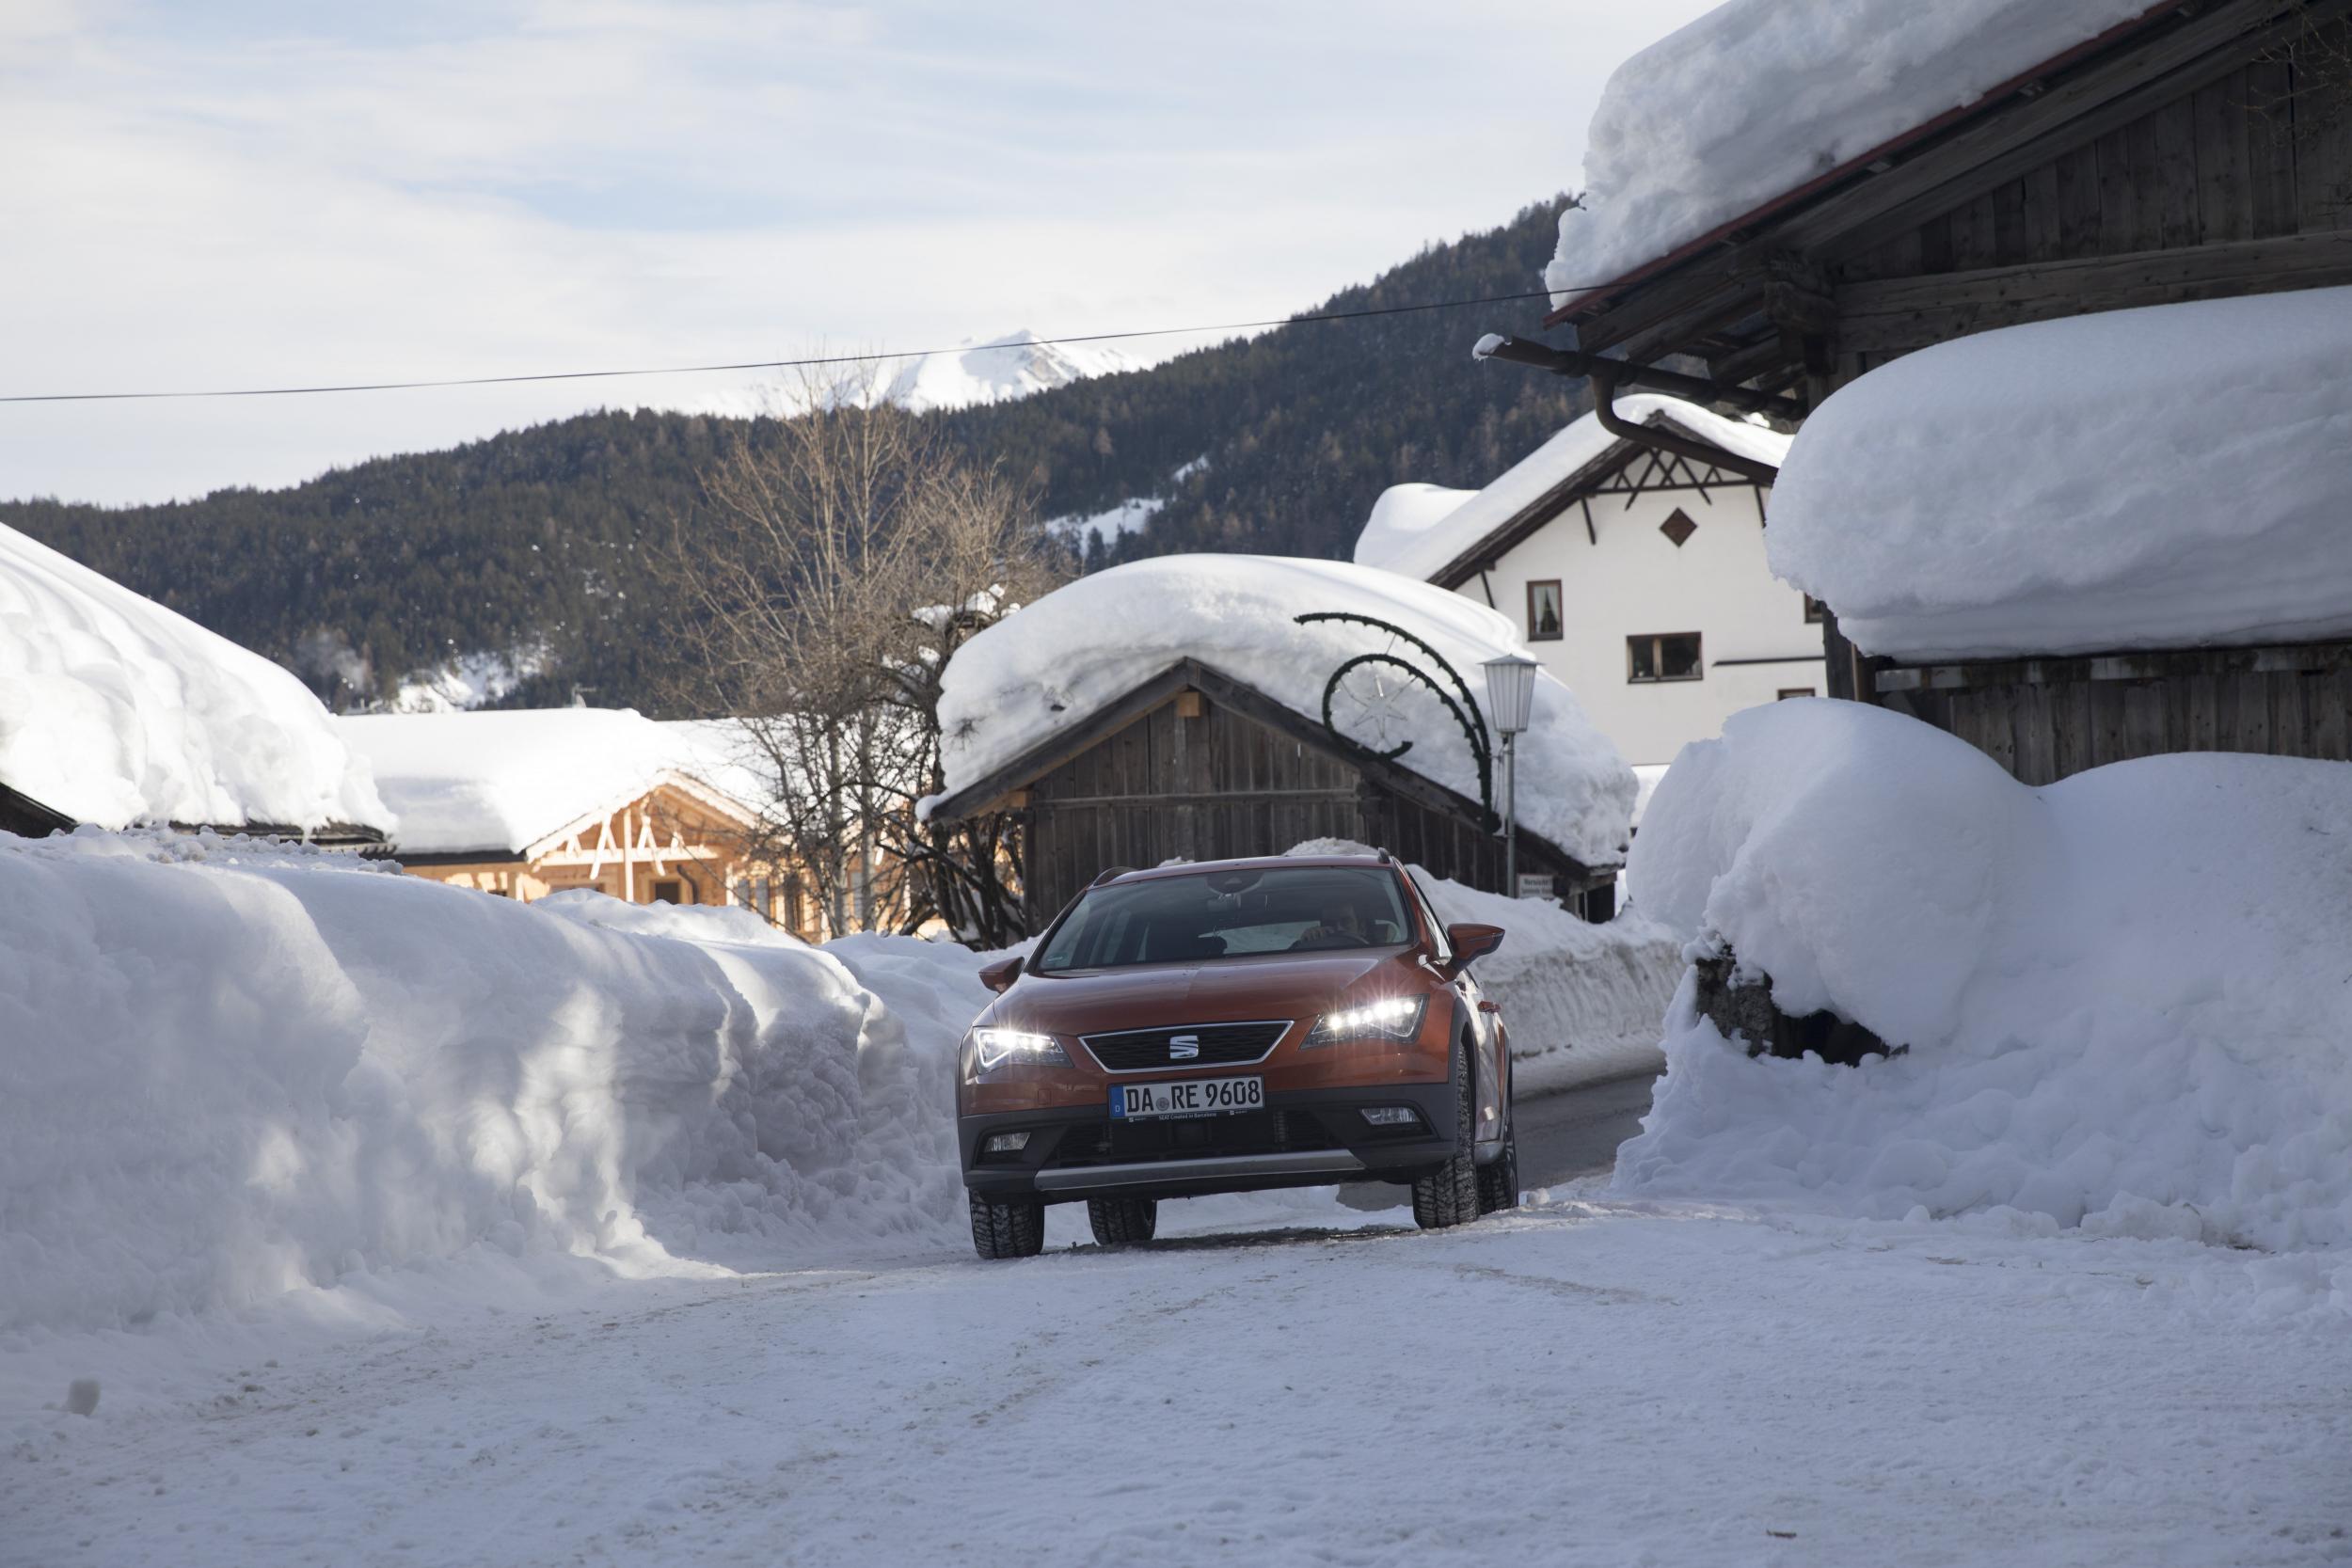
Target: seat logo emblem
(1183,1047)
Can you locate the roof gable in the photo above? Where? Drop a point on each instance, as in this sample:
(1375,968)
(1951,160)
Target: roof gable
(1557,475)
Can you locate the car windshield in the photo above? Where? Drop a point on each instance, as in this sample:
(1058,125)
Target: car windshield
(1228,914)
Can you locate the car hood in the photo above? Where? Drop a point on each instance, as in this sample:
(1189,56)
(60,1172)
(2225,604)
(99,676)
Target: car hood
(1218,990)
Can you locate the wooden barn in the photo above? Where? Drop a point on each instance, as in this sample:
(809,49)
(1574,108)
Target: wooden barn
(1195,764)
(2197,151)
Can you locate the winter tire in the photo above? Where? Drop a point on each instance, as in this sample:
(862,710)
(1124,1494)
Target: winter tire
(1008,1226)
(1498,1182)
(1124,1221)
(1449,1195)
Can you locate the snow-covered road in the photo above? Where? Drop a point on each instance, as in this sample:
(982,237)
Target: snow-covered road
(1585,1382)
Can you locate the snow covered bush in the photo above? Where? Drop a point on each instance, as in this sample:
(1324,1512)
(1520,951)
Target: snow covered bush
(227,1071)
(2127,996)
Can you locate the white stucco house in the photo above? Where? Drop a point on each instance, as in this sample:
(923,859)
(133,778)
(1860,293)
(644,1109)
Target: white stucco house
(1637,576)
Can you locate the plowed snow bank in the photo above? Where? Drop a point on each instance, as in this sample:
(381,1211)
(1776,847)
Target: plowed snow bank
(227,1073)
(2126,996)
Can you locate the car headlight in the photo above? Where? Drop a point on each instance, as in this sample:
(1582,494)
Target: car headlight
(1392,1018)
(992,1046)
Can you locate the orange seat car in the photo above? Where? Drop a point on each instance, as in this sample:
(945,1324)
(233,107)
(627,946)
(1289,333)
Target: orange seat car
(1234,1025)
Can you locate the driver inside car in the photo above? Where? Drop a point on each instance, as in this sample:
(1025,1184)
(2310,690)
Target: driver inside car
(1341,925)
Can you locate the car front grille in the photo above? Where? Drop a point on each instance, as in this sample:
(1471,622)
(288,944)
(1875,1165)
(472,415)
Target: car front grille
(1188,1045)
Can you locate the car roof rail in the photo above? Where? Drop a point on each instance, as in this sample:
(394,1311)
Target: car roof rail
(1111,873)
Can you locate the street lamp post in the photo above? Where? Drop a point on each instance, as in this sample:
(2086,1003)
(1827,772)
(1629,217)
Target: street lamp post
(1510,694)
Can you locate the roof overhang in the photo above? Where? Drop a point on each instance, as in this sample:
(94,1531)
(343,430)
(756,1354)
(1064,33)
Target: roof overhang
(1755,270)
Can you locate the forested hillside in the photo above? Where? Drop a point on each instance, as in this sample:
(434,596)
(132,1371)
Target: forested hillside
(536,537)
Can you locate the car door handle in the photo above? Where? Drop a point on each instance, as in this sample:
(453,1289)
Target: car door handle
(1485,1006)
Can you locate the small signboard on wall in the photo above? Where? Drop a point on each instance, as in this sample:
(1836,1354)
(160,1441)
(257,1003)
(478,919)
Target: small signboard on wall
(1536,885)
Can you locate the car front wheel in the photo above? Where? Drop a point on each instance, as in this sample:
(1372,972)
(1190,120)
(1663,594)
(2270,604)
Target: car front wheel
(1449,1195)
(1122,1221)
(1008,1226)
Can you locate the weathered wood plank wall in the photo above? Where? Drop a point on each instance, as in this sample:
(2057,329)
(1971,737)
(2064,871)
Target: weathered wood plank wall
(1223,785)
(2046,718)
(2241,184)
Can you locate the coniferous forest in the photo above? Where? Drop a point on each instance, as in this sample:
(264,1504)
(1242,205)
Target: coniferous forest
(538,537)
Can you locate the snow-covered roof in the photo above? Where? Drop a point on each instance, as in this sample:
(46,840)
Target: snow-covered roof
(505,780)
(1402,537)
(2168,477)
(1086,645)
(1758,98)
(115,710)
(1403,518)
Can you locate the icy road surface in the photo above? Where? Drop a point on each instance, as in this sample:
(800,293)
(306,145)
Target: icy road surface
(1586,1382)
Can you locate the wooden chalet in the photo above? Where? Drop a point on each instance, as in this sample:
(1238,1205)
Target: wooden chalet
(1195,764)
(2201,150)
(676,843)
(524,803)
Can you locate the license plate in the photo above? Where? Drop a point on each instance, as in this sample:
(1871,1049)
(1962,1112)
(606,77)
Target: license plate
(1193,1097)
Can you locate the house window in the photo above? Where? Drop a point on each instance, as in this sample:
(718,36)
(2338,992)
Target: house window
(1678,527)
(1789,691)
(669,893)
(1815,611)
(1672,656)
(1543,611)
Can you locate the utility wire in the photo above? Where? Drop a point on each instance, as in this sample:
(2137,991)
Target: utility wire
(773,364)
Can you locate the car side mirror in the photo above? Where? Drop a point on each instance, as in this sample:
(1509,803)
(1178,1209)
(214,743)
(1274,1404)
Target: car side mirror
(1000,975)
(1471,943)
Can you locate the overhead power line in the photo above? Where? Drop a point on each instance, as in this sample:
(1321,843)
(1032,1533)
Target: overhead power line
(811,362)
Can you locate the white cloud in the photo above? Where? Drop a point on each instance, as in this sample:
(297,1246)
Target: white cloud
(235,194)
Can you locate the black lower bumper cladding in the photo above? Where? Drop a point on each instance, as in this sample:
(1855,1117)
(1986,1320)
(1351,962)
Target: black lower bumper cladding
(1300,1139)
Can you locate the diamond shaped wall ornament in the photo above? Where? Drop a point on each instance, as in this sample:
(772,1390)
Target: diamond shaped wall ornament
(1678,527)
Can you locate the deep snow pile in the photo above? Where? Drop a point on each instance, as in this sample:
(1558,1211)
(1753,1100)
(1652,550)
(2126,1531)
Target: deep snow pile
(2126,996)
(227,1073)
(115,710)
(1091,642)
(2160,476)
(1759,97)
(1409,538)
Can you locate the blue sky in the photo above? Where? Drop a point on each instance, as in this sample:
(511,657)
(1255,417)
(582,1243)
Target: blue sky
(249,193)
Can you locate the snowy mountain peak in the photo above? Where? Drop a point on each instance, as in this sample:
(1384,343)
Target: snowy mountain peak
(1013,366)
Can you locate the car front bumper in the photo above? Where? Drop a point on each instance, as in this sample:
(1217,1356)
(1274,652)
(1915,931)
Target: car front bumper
(1302,1139)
